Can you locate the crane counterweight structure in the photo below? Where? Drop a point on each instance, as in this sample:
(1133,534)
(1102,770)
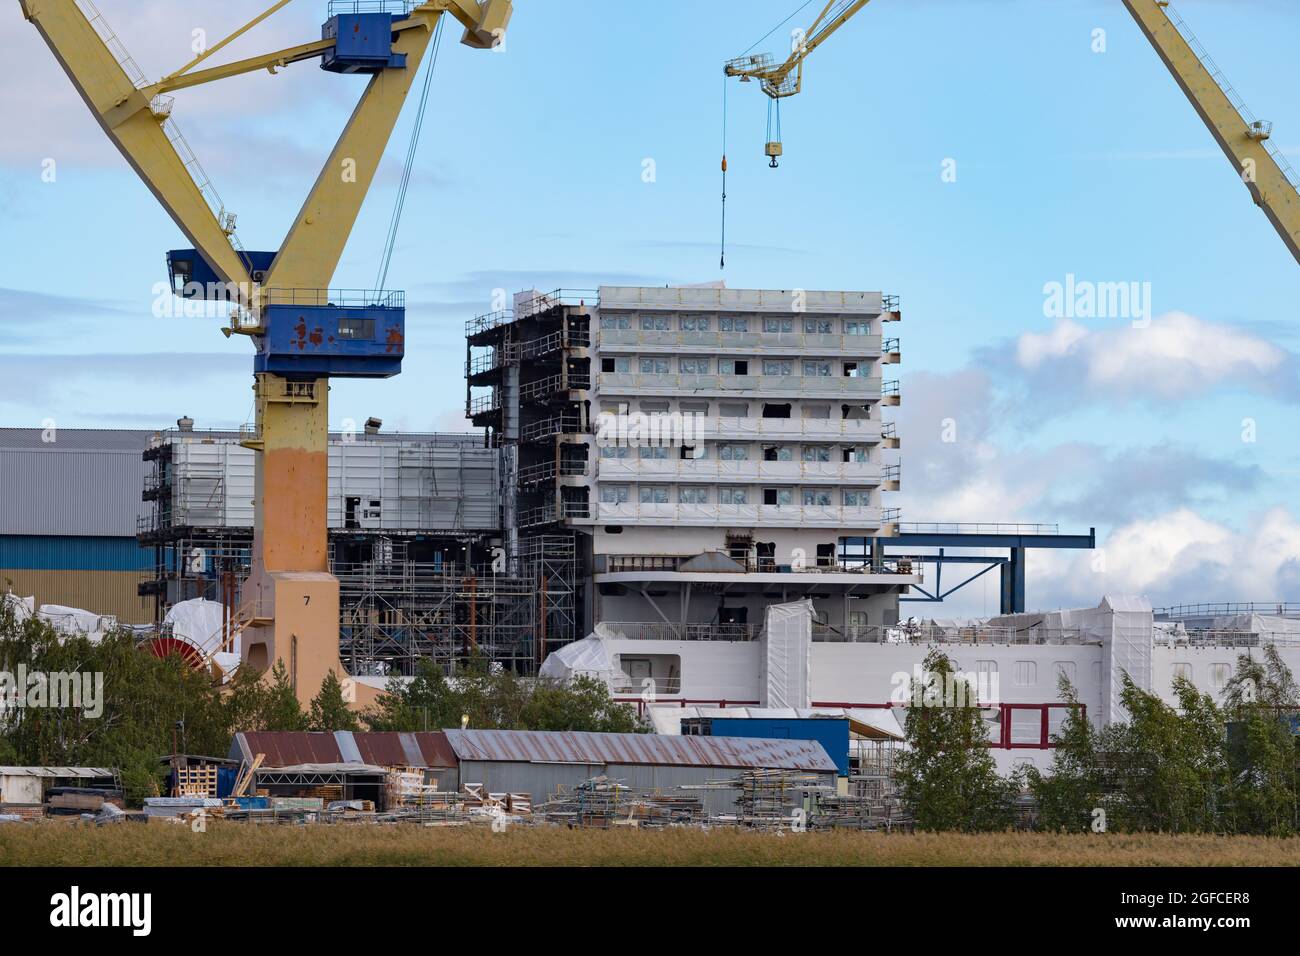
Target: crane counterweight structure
(304,332)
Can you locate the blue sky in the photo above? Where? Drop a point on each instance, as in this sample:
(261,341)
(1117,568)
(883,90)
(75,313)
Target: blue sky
(1068,162)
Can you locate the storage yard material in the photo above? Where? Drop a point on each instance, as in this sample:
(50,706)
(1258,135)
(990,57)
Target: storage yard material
(602,803)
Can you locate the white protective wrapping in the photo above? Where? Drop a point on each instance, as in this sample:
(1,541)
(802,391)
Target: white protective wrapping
(71,620)
(588,657)
(23,608)
(198,623)
(1127,650)
(1259,624)
(787,649)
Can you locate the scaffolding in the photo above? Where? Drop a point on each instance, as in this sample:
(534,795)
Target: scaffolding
(551,563)
(414,541)
(395,612)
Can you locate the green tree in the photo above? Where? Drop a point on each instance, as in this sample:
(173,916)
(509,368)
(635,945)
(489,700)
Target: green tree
(1072,790)
(495,699)
(582,704)
(281,710)
(329,711)
(425,702)
(947,777)
(143,705)
(1167,765)
(1259,699)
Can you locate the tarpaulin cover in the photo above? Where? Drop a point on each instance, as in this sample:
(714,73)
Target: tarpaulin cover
(72,620)
(198,623)
(787,647)
(23,608)
(588,657)
(1259,624)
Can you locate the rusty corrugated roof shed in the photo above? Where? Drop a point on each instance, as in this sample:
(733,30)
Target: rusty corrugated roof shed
(643,749)
(292,748)
(406,750)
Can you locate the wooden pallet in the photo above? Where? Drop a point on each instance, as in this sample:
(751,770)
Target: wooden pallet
(196,782)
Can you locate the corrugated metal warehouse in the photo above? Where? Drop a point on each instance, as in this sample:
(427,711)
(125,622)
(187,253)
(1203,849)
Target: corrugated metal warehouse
(70,500)
(73,506)
(384,483)
(544,763)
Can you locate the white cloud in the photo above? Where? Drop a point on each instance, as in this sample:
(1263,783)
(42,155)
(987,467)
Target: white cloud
(1179,557)
(55,123)
(1176,356)
(1033,349)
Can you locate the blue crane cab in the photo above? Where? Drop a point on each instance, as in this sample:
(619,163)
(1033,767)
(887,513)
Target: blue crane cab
(363,40)
(312,334)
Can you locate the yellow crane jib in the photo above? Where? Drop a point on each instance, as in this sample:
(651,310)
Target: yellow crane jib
(1245,140)
(304,332)
(785,79)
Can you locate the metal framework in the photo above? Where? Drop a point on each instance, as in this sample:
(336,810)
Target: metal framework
(1016,540)
(396,612)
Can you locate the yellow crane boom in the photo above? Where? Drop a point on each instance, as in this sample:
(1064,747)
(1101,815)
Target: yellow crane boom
(1272,183)
(1243,139)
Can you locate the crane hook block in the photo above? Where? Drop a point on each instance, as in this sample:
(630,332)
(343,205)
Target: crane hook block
(363,43)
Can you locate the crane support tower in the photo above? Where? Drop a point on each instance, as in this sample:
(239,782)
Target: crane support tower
(304,333)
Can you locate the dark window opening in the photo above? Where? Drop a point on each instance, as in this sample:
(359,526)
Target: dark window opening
(733,615)
(357,330)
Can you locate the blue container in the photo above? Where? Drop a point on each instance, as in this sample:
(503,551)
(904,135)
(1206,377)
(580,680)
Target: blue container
(364,43)
(331,341)
(831,732)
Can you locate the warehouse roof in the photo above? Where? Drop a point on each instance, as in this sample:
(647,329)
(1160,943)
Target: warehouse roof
(291,749)
(508,746)
(58,773)
(76,439)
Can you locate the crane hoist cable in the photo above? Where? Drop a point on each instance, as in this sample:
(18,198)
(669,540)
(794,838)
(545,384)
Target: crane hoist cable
(404,186)
(723,264)
(802,7)
(774,126)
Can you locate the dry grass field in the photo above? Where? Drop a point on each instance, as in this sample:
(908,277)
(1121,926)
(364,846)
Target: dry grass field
(242,845)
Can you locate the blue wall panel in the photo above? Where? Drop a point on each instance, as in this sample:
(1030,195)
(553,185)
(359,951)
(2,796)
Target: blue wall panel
(63,553)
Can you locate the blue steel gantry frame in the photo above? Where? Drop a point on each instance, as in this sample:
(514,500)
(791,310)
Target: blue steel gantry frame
(1016,540)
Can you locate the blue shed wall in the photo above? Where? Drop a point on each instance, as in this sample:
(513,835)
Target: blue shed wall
(831,733)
